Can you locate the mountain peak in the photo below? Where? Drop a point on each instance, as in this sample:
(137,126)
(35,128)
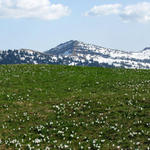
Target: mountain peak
(72,41)
(74,47)
(146,48)
(64,48)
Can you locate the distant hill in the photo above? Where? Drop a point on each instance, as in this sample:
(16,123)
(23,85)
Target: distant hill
(79,54)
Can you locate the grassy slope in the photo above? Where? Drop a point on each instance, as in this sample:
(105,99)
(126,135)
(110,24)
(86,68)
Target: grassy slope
(60,107)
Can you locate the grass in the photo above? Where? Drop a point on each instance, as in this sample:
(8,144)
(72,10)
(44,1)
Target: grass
(46,107)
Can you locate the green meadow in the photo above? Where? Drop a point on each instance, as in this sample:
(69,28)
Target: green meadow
(52,107)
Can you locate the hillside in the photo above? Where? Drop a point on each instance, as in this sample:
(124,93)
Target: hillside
(82,54)
(76,53)
(47,107)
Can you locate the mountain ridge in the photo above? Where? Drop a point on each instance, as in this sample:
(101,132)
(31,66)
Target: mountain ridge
(78,53)
(76,42)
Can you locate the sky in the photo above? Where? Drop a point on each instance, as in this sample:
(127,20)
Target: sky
(43,24)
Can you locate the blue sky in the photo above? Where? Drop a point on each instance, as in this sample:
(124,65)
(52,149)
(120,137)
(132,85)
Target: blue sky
(115,24)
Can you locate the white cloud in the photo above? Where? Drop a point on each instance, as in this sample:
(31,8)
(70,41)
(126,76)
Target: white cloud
(104,10)
(41,9)
(139,12)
